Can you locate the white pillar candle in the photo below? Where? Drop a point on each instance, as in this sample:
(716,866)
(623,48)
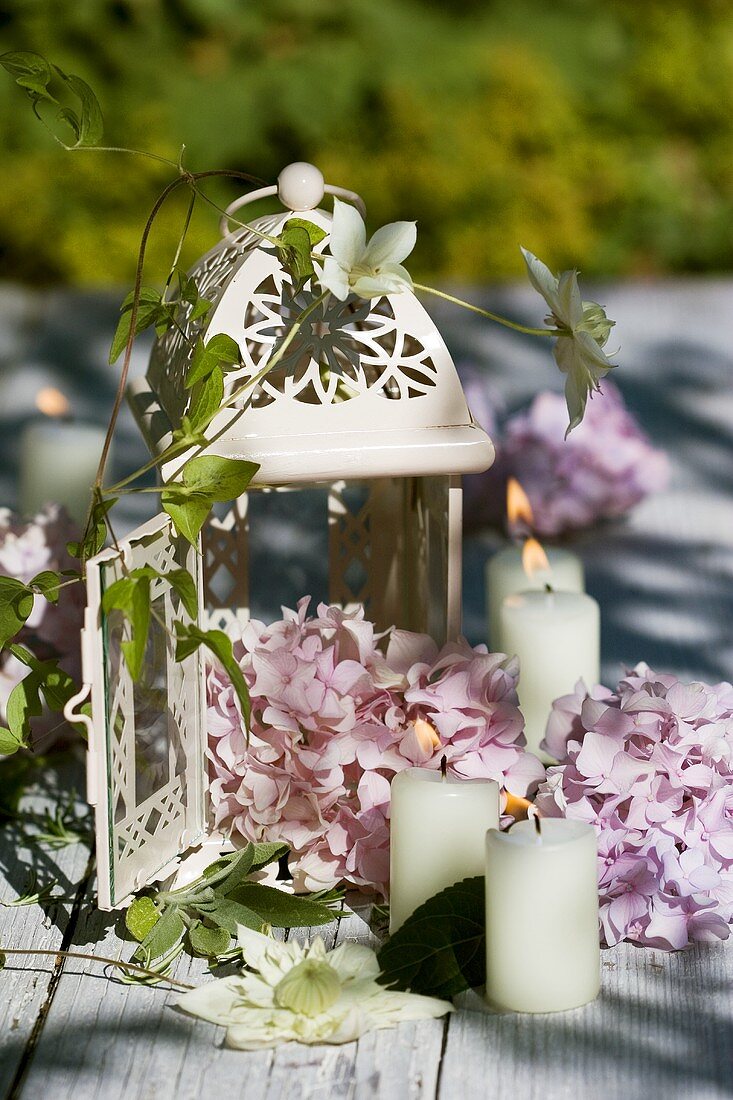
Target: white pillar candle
(506,575)
(437,826)
(542,941)
(557,638)
(58,463)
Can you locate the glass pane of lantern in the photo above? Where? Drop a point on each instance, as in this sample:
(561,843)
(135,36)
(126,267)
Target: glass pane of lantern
(147,755)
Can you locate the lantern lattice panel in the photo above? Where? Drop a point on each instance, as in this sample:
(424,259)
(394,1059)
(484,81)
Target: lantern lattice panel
(349,549)
(341,351)
(152,749)
(172,352)
(225,551)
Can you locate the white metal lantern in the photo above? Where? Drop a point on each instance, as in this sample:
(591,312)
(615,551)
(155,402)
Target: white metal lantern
(368,406)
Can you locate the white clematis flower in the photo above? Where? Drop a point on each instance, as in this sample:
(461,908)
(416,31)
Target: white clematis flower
(584,330)
(368,270)
(295,993)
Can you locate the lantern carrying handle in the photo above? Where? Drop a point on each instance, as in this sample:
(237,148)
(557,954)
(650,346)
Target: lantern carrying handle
(300,187)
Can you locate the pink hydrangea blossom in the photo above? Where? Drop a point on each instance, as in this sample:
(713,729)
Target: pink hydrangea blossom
(650,766)
(27,547)
(604,468)
(337,710)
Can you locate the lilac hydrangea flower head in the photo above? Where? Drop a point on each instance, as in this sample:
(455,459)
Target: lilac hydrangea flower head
(651,767)
(337,711)
(604,468)
(27,547)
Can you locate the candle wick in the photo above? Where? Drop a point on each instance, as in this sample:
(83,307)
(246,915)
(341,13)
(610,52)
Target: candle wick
(444,766)
(537,826)
(549,588)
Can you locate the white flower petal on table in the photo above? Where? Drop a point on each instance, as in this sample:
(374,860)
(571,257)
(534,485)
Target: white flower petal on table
(354,961)
(247,1006)
(391,244)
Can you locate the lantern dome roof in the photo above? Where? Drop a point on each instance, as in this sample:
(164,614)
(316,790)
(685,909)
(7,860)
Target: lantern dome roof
(367,388)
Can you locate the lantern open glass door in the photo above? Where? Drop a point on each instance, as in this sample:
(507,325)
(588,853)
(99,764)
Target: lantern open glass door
(367,407)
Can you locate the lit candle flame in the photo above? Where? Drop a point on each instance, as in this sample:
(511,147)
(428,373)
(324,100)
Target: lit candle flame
(517,806)
(534,558)
(51,402)
(518,507)
(426,735)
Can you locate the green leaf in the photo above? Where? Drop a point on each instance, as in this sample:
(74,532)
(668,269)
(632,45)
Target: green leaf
(279,909)
(32,73)
(188,292)
(179,579)
(24,703)
(131,596)
(209,942)
(439,950)
(9,742)
(294,253)
(56,684)
(188,640)
(165,934)
(204,480)
(228,914)
(96,537)
(217,351)
(265,854)
(47,583)
(315,233)
(188,516)
(206,399)
(87,124)
(218,479)
(231,869)
(16,604)
(151,311)
(141,918)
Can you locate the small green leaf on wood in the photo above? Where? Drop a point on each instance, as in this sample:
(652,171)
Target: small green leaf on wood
(163,936)
(229,914)
(208,942)
(280,909)
(439,950)
(141,918)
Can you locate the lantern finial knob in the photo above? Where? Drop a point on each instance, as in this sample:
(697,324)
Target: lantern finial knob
(300,186)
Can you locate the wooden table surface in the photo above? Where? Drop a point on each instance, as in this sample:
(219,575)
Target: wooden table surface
(663,1025)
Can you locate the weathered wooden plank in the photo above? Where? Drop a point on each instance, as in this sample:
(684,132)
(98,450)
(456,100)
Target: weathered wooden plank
(661,1028)
(128,1040)
(27,982)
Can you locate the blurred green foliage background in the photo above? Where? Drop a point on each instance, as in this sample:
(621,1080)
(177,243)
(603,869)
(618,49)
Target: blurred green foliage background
(596,134)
